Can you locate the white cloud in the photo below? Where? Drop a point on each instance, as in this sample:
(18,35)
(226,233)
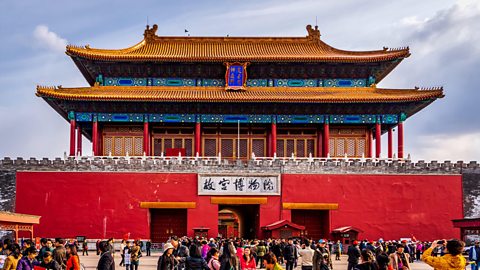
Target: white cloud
(49,39)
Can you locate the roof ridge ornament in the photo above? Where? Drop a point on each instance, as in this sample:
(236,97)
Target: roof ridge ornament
(313,34)
(149,33)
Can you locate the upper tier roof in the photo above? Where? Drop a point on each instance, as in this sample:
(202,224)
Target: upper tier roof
(253,49)
(253,94)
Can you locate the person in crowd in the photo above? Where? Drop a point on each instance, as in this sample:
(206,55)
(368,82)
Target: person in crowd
(28,262)
(229,260)
(167,260)
(26,244)
(321,257)
(122,252)
(135,255)
(452,259)
(43,249)
(368,261)
(73,261)
(180,252)
(382,261)
(111,246)
(49,263)
(290,254)
(418,250)
(106,261)
(84,247)
(205,249)
(306,253)
(353,253)
(126,256)
(400,260)
(97,246)
(474,256)
(59,253)
(270,262)
(13,253)
(148,248)
(195,261)
(212,259)
(261,251)
(337,249)
(247,261)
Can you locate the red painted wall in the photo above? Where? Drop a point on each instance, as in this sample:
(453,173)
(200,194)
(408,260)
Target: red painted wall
(387,206)
(101,205)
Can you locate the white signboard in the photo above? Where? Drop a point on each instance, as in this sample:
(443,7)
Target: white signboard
(214,184)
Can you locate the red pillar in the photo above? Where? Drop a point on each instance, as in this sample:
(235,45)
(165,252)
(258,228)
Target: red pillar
(319,143)
(198,139)
(370,143)
(326,139)
(400,140)
(79,140)
(146,139)
(274,139)
(390,143)
(378,142)
(95,138)
(72,137)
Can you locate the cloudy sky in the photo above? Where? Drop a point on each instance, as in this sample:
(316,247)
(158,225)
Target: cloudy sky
(442,34)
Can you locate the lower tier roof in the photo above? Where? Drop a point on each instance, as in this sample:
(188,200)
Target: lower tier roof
(201,94)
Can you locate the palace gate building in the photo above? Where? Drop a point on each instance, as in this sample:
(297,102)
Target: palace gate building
(238,136)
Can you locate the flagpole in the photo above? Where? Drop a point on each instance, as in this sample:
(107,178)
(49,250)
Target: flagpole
(238,140)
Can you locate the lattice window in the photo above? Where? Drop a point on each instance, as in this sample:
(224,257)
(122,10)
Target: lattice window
(107,145)
(178,143)
(340,148)
(118,146)
(258,147)
(359,131)
(129,146)
(138,149)
(345,131)
(311,147)
(361,147)
(280,148)
(157,147)
(210,147)
(123,129)
(189,147)
(290,147)
(300,148)
(331,147)
(136,129)
(167,143)
(227,147)
(243,148)
(351,147)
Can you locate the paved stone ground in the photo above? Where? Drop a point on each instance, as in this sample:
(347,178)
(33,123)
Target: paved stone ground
(150,263)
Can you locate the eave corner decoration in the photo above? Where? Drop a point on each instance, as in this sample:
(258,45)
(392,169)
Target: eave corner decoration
(236,76)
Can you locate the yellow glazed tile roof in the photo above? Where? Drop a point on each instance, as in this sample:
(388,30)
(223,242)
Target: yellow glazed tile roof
(254,49)
(252,94)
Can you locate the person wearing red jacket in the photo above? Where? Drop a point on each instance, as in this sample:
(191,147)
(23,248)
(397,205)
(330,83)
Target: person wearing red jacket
(247,261)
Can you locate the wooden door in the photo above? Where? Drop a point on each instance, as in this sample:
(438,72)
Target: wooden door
(167,222)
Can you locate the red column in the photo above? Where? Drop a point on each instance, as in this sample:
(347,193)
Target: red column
(198,139)
(370,143)
(390,143)
(319,143)
(400,140)
(72,137)
(146,139)
(274,139)
(378,142)
(326,139)
(269,144)
(79,140)
(95,137)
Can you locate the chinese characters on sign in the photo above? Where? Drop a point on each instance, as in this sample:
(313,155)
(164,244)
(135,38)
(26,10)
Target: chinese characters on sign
(236,76)
(238,185)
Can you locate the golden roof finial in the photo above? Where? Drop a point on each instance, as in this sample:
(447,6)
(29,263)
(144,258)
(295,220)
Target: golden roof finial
(150,32)
(313,34)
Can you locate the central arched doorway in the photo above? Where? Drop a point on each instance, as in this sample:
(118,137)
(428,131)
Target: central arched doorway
(238,221)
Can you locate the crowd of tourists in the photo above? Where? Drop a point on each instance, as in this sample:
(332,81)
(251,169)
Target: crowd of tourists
(53,254)
(238,254)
